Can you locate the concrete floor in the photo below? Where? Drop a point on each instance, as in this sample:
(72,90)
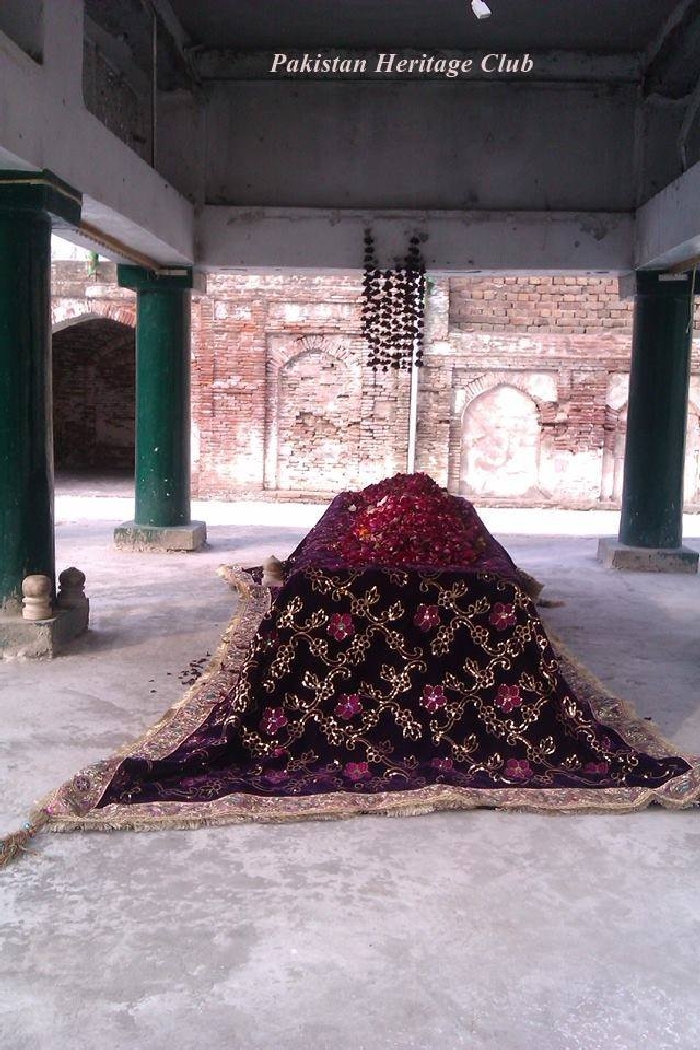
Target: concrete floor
(477,930)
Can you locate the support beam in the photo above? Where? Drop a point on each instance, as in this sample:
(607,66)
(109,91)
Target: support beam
(173,27)
(29,201)
(651,525)
(668,225)
(454,242)
(162,516)
(44,122)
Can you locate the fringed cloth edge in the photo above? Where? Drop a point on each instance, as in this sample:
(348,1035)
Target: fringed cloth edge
(72,807)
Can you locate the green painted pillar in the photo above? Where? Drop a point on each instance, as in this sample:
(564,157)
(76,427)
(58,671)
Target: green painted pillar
(162,512)
(652,498)
(29,202)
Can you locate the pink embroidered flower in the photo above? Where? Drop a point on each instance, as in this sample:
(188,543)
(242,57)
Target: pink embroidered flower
(445,765)
(276,776)
(273,720)
(508,697)
(518,769)
(502,616)
(427,616)
(341,626)
(348,706)
(356,770)
(433,698)
(597,767)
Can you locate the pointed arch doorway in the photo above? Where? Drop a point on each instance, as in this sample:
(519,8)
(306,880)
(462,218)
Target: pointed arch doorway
(94,396)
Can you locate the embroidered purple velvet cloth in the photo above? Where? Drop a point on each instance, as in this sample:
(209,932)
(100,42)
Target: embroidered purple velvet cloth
(369,679)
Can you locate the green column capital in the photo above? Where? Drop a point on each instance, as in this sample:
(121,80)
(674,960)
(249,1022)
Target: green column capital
(40,191)
(664,285)
(168,279)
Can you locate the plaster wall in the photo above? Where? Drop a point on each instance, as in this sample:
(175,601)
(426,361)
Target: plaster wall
(22,21)
(418,144)
(660,121)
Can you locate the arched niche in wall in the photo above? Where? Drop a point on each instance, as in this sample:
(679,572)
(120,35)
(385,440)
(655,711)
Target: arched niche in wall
(613,454)
(614,458)
(691,476)
(94,391)
(501,444)
(614,434)
(314,402)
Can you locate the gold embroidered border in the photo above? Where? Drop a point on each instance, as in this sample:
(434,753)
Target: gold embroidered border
(84,791)
(72,807)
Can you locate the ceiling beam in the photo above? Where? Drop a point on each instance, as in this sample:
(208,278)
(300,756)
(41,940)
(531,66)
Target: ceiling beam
(668,225)
(283,240)
(171,23)
(668,29)
(673,44)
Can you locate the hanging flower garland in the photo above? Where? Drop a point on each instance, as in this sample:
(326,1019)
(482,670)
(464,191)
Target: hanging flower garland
(393,309)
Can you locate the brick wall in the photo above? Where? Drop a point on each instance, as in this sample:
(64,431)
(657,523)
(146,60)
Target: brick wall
(522,398)
(570,305)
(282,401)
(564,343)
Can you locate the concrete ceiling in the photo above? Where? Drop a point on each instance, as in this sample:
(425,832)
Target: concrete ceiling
(520,25)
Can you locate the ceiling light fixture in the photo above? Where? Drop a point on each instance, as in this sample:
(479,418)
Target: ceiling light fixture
(480,9)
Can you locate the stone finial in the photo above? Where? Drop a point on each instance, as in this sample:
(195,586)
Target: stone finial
(273,572)
(72,587)
(36,591)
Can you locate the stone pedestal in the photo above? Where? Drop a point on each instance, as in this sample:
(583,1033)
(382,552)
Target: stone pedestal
(21,638)
(134,537)
(616,555)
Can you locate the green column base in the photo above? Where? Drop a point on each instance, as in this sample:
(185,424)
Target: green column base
(23,639)
(133,537)
(616,555)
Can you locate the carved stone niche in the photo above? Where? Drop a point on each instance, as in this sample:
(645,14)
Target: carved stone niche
(313,412)
(498,438)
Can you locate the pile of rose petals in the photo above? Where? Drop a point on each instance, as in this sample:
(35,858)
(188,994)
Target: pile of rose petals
(404,520)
